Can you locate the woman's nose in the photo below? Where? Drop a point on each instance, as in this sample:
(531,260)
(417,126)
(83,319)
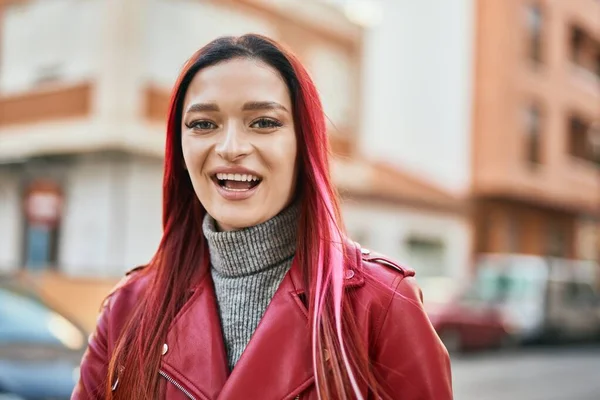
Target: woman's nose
(233,144)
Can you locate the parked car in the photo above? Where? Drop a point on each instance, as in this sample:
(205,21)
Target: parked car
(543,298)
(40,349)
(520,299)
(465,320)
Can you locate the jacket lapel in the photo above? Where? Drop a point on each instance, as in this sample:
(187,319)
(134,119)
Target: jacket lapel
(278,358)
(195,355)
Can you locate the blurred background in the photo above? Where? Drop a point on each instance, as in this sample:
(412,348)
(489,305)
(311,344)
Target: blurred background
(466,136)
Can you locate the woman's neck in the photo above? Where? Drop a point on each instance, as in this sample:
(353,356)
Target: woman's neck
(254,249)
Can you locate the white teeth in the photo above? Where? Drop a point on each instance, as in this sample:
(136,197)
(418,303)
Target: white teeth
(237,177)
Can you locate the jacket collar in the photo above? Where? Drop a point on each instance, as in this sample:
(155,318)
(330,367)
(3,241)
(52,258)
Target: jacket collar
(194,353)
(277,358)
(353,273)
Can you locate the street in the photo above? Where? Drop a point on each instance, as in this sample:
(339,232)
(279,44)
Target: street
(529,374)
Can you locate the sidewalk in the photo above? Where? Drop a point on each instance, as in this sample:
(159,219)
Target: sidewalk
(78,298)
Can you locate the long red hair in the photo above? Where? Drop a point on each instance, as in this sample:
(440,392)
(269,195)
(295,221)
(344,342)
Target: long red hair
(345,371)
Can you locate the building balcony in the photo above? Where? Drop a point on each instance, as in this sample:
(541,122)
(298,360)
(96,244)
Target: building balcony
(48,103)
(573,186)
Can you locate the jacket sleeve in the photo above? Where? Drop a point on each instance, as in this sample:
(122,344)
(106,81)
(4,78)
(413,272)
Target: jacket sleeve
(94,364)
(411,361)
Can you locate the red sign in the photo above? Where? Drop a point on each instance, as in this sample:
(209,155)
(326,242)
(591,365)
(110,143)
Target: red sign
(43,203)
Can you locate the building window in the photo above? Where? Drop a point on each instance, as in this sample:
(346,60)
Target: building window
(532,138)
(576,44)
(580,140)
(534,31)
(426,255)
(556,240)
(586,238)
(513,233)
(43,204)
(585,52)
(484,235)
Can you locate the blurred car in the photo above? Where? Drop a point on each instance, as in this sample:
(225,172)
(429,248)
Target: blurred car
(520,299)
(40,349)
(465,321)
(542,298)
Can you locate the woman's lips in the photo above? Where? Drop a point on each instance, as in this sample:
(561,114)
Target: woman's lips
(235,194)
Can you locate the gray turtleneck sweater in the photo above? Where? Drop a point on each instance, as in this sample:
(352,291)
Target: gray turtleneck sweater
(247,267)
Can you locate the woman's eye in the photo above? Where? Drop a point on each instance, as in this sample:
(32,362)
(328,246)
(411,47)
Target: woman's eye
(265,123)
(201,125)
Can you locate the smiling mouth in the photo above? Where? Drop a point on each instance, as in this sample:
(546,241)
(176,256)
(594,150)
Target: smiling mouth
(237,182)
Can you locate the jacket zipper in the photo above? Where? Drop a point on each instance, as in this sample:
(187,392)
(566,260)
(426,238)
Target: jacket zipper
(177,385)
(188,394)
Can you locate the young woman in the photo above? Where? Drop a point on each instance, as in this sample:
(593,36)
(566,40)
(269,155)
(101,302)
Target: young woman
(255,292)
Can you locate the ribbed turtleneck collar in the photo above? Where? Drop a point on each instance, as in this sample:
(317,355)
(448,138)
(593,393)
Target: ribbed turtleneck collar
(254,249)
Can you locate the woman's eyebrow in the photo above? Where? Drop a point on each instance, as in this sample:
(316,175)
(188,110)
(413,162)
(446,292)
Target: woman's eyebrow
(202,107)
(263,105)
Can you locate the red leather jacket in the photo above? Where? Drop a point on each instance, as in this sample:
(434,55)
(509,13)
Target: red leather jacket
(277,364)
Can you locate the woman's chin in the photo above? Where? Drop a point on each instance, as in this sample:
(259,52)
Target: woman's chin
(237,220)
(233,216)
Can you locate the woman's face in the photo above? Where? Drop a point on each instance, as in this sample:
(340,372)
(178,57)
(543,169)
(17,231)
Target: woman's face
(239,143)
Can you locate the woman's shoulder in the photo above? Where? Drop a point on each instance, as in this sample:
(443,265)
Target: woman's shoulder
(380,270)
(383,280)
(382,267)
(401,337)
(126,293)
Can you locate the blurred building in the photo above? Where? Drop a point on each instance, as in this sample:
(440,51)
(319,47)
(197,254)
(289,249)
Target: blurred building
(536,179)
(494,101)
(416,93)
(84,87)
(458,127)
